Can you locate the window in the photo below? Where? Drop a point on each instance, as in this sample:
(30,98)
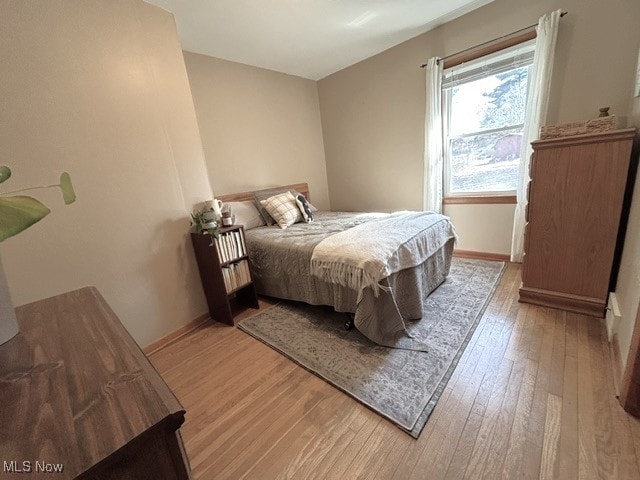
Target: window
(484,104)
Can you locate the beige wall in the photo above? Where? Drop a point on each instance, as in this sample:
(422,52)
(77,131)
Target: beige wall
(481,228)
(373,112)
(99,89)
(259,128)
(628,286)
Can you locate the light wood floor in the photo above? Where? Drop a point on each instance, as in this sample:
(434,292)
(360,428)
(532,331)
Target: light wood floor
(532,397)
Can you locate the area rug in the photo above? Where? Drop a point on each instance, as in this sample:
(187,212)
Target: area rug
(401,385)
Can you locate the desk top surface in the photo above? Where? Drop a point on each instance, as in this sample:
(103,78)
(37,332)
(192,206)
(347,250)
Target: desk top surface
(74,385)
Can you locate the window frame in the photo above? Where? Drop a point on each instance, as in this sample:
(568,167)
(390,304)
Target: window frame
(506,196)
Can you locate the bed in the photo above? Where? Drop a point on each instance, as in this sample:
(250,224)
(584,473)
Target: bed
(295,264)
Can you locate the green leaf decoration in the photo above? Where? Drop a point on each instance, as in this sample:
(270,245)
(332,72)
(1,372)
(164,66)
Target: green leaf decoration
(5,173)
(19,213)
(68,194)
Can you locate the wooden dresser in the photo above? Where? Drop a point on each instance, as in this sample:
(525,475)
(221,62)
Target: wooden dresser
(579,199)
(77,393)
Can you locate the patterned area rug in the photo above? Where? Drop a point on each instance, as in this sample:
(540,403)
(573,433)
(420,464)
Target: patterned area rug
(401,385)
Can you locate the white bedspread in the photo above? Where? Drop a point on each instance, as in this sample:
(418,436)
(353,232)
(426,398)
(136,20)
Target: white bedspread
(362,256)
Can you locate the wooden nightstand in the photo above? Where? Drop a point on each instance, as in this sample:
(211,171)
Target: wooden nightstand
(225,273)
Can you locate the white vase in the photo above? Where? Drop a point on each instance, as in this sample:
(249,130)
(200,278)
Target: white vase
(8,321)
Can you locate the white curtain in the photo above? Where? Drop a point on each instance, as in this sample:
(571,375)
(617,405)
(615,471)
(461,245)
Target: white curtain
(537,105)
(433,171)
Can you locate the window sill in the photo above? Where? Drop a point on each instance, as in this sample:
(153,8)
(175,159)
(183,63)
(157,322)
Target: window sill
(481,200)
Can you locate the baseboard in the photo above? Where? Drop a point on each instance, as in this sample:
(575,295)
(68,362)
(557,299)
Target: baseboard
(175,335)
(616,363)
(612,316)
(593,307)
(499,257)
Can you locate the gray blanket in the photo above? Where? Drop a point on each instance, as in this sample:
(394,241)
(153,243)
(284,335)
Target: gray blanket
(280,261)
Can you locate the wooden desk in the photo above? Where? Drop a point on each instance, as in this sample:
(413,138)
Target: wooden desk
(76,390)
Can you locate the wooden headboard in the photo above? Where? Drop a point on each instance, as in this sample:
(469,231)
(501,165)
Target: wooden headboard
(303,188)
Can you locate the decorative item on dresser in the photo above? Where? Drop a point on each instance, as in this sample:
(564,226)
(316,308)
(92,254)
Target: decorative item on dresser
(579,198)
(225,273)
(80,398)
(601,124)
(17,213)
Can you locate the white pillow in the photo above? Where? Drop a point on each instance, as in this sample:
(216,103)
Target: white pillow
(283,208)
(261,195)
(246,214)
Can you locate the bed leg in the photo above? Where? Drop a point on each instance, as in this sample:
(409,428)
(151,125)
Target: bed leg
(349,323)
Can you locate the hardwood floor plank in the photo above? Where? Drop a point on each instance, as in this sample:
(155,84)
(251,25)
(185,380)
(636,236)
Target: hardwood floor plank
(513,461)
(556,375)
(587,465)
(515,347)
(537,417)
(551,437)
(568,464)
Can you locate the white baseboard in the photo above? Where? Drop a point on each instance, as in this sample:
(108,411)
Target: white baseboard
(613,316)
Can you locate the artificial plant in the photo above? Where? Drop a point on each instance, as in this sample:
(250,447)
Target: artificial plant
(201,221)
(19,212)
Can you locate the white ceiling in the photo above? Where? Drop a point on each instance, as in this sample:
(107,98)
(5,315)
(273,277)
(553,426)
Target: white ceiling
(308,38)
